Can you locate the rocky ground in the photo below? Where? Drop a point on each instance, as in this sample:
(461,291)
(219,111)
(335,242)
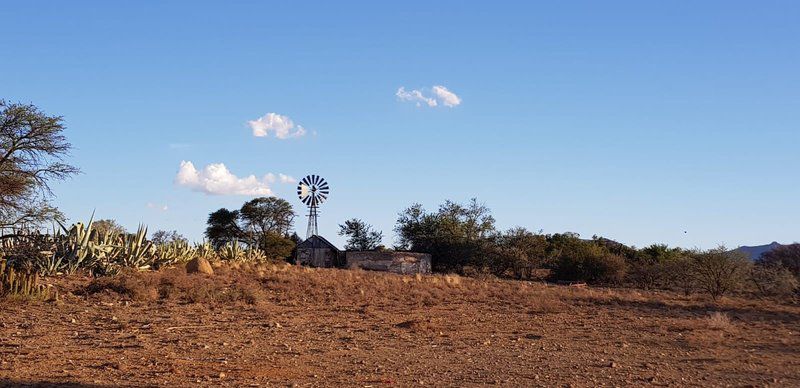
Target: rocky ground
(278,325)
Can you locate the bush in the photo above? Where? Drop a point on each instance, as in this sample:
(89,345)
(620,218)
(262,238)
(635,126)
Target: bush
(787,256)
(517,252)
(589,262)
(654,266)
(773,280)
(719,271)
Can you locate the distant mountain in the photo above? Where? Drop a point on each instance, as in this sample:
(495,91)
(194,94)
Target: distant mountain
(755,252)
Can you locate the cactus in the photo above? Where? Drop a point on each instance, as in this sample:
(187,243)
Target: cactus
(25,284)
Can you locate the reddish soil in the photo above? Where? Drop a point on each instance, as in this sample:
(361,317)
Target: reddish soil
(276,325)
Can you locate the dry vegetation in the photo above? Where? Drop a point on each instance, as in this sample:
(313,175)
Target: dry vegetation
(270,324)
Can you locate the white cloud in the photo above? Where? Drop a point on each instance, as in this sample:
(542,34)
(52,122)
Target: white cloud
(414,96)
(448,98)
(286,178)
(163,208)
(216,179)
(282,126)
(440,96)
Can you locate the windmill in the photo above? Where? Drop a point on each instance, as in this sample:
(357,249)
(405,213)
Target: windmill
(312,190)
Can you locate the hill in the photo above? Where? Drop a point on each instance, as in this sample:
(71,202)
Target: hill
(755,252)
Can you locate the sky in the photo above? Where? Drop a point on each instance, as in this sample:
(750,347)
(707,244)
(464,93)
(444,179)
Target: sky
(644,122)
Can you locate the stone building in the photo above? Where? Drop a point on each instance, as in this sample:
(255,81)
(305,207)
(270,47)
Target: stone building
(316,251)
(389,261)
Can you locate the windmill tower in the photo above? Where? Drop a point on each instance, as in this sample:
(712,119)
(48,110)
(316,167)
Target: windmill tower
(313,191)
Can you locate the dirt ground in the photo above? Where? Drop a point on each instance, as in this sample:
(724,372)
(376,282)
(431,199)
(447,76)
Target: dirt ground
(273,325)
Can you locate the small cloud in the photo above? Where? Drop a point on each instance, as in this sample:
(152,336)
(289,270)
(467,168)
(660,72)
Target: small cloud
(415,96)
(282,126)
(439,96)
(448,98)
(286,178)
(163,208)
(216,179)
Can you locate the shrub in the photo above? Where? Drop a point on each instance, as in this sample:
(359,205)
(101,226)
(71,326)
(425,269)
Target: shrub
(773,280)
(589,262)
(518,252)
(719,271)
(787,256)
(653,266)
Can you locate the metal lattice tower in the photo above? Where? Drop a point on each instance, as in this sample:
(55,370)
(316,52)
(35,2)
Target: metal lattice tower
(313,191)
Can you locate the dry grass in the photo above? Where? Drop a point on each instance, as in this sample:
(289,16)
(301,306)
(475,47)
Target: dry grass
(718,321)
(276,324)
(286,284)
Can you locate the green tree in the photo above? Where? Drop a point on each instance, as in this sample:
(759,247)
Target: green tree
(32,150)
(579,260)
(360,235)
(456,235)
(264,217)
(223,227)
(518,251)
(653,266)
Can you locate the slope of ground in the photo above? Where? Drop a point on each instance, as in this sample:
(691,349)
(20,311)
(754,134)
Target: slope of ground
(280,325)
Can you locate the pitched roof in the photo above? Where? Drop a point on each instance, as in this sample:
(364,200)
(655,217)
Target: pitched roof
(316,241)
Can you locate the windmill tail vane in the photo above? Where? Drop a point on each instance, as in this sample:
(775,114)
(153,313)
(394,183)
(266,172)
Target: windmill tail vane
(313,190)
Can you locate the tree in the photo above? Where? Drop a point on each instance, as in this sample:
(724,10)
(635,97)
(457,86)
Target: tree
(264,217)
(360,235)
(104,227)
(719,271)
(263,223)
(165,237)
(787,256)
(519,251)
(223,227)
(653,266)
(32,150)
(579,260)
(455,236)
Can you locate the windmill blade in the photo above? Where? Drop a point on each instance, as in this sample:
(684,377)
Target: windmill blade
(305,180)
(302,190)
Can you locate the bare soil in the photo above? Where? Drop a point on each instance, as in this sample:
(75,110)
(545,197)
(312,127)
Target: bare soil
(279,325)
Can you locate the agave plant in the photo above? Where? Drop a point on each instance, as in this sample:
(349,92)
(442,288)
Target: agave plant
(135,251)
(254,255)
(75,247)
(232,251)
(174,252)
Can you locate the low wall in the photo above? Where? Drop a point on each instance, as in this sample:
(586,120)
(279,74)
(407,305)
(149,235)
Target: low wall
(397,262)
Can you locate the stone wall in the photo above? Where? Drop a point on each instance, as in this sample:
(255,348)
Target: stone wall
(397,262)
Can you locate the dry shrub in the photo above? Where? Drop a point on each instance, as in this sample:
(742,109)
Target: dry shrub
(718,321)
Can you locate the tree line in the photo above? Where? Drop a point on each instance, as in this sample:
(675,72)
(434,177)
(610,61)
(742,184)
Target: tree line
(461,238)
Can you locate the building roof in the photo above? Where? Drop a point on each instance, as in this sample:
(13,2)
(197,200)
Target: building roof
(317,242)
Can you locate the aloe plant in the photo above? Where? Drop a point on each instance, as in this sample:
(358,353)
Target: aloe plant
(135,251)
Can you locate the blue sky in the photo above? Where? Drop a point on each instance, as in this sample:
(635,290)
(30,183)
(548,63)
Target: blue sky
(632,120)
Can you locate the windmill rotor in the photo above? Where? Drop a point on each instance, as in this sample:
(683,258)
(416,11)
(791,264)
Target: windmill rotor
(313,190)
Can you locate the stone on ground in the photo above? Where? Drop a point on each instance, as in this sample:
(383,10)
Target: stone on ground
(199,265)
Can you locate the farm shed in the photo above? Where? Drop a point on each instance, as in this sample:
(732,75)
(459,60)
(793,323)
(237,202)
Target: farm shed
(397,262)
(316,251)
